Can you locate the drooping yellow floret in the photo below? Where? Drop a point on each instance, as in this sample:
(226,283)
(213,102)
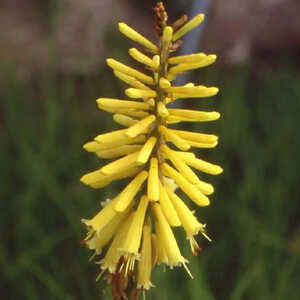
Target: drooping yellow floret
(167,239)
(145,263)
(167,207)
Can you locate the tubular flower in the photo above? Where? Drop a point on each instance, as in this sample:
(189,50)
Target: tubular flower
(133,232)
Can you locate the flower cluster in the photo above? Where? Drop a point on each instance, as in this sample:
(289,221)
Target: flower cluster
(133,231)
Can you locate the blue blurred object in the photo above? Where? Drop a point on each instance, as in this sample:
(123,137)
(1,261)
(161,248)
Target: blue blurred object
(192,40)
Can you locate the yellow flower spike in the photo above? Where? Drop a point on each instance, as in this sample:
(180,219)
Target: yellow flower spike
(131,81)
(131,243)
(153,181)
(167,238)
(146,151)
(137,93)
(121,164)
(191,58)
(199,116)
(202,165)
(124,120)
(98,222)
(188,26)
(140,152)
(127,195)
(162,110)
(112,256)
(192,191)
(117,66)
(142,58)
(180,165)
(119,151)
(140,126)
(174,138)
(145,263)
(164,83)
(137,37)
(167,207)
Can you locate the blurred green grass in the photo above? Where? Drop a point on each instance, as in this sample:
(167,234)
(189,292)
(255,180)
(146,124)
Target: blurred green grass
(253,219)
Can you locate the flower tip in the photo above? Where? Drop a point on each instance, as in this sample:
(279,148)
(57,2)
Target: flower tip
(214,90)
(85,222)
(219,170)
(83,179)
(200,17)
(109,61)
(205,202)
(216,115)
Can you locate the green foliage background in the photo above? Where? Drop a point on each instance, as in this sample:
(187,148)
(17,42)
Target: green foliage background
(253,219)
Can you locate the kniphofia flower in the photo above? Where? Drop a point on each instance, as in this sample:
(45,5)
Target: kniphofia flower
(135,227)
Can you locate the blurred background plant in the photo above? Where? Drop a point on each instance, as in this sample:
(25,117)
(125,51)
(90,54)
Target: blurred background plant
(52,64)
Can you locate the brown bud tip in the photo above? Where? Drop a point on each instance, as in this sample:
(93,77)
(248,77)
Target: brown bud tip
(160,18)
(179,22)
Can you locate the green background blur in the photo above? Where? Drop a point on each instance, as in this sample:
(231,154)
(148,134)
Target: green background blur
(46,117)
